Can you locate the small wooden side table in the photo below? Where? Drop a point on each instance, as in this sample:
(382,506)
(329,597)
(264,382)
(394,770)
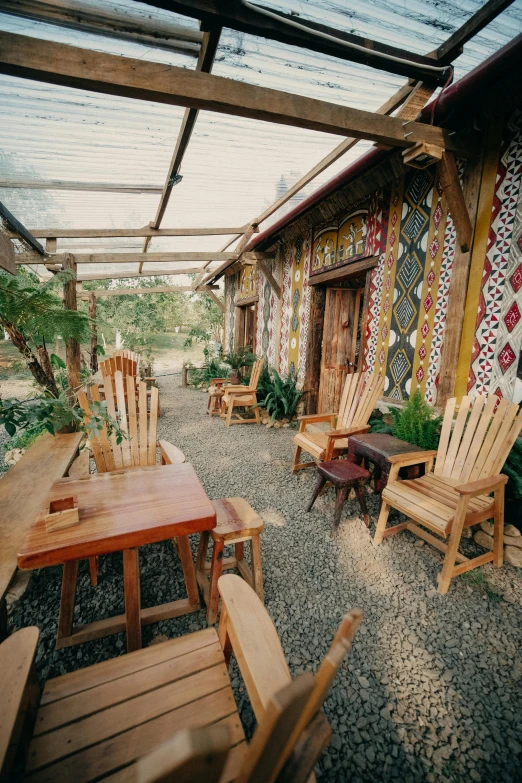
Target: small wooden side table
(376,447)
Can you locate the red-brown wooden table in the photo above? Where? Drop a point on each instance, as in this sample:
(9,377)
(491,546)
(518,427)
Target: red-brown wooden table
(121,511)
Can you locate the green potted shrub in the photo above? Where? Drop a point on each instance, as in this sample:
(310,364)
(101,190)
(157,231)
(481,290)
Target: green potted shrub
(236,360)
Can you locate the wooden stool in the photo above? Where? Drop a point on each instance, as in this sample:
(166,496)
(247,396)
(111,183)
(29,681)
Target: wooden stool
(215,394)
(237,522)
(344,476)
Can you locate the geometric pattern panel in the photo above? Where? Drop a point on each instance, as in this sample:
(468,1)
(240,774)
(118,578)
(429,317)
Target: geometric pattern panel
(376,243)
(267,316)
(498,333)
(408,282)
(230,311)
(295,308)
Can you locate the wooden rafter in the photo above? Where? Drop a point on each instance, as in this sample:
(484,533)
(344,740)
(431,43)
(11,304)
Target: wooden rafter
(21,231)
(451,48)
(60,184)
(161,289)
(70,66)
(129,275)
(147,231)
(124,24)
(205,62)
(456,201)
(285,28)
(125,258)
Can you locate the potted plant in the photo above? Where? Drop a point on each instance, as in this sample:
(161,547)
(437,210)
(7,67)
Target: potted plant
(243,357)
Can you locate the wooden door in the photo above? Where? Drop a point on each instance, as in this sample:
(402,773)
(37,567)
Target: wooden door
(250,328)
(341,321)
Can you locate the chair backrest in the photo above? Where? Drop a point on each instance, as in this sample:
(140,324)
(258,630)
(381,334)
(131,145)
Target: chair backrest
(138,448)
(124,364)
(255,374)
(479,442)
(361,392)
(128,354)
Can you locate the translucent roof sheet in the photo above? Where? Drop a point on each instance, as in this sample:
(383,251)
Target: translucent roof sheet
(233,166)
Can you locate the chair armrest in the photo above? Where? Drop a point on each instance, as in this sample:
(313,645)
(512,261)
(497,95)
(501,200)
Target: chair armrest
(483,486)
(245,627)
(412,458)
(149,378)
(336,434)
(170,455)
(317,417)
(215,381)
(20,693)
(238,390)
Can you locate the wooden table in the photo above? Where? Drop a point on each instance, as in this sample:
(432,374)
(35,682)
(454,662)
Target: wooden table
(376,447)
(121,511)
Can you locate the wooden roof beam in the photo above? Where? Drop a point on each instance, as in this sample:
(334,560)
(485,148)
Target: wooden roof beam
(205,62)
(161,289)
(124,258)
(21,231)
(124,24)
(285,28)
(452,48)
(129,275)
(60,184)
(146,231)
(71,66)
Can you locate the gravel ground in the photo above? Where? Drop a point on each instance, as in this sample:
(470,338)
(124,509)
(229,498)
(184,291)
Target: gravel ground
(432,689)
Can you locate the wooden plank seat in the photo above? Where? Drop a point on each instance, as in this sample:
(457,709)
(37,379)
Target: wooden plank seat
(236,524)
(110,721)
(215,395)
(358,399)
(22,491)
(456,494)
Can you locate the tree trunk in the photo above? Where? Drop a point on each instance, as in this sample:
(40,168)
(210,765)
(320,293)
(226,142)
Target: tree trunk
(38,372)
(43,357)
(72,348)
(94,333)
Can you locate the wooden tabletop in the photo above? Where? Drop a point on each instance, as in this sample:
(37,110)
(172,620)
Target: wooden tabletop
(120,510)
(380,443)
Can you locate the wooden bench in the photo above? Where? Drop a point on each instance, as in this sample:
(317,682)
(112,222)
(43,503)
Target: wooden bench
(22,491)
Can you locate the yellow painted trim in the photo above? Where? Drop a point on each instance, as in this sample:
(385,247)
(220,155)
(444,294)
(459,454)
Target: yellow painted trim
(478,256)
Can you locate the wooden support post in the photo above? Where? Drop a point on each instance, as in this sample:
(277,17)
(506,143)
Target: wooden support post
(276,288)
(314,347)
(478,189)
(50,245)
(456,201)
(94,334)
(72,347)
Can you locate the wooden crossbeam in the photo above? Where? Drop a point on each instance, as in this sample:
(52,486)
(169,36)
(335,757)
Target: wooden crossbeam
(70,66)
(129,275)
(124,258)
(61,184)
(451,48)
(146,231)
(456,201)
(161,289)
(124,24)
(206,58)
(20,230)
(276,288)
(296,31)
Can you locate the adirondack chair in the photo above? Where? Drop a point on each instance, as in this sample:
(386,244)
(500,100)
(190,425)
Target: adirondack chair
(456,494)
(127,362)
(112,720)
(242,397)
(358,399)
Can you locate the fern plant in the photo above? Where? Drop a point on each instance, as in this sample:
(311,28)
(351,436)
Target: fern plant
(416,424)
(513,469)
(283,398)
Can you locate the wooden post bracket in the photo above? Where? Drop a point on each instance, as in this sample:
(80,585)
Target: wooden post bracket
(456,201)
(276,288)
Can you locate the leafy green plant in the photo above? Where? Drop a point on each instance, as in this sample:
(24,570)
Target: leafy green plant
(414,423)
(513,469)
(212,368)
(283,398)
(264,386)
(243,357)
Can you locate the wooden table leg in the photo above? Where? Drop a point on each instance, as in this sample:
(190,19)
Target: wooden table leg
(131,584)
(189,572)
(67,601)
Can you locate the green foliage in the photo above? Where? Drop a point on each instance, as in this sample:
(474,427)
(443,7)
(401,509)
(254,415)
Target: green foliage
(24,438)
(283,398)
(513,469)
(212,368)
(243,357)
(37,312)
(265,385)
(416,424)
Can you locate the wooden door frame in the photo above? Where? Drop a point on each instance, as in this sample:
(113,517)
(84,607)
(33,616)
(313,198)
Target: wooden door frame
(315,336)
(240,322)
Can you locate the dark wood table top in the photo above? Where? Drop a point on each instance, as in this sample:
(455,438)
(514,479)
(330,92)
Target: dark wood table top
(381,444)
(120,510)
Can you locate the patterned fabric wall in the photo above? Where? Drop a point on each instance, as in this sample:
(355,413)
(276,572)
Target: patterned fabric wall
(295,307)
(498,333)
(230,311)
(267,317)
(378,217)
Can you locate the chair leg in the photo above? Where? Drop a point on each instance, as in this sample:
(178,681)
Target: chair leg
(189,573)
(257,572)
(361,497)
(229,412)
(93,571)
(340,498)
(381,523)
(444,578)
(216,569)
(223,410)
(257,415)
(321,481)
(498,529)
(297,457)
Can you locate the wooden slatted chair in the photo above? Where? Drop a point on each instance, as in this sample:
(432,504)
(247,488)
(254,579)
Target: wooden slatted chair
(111,720)
(456,494)
(242,397)
(127,362)
(360,393)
